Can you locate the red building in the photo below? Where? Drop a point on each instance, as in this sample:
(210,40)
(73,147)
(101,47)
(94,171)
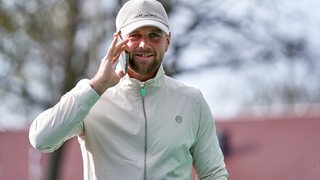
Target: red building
(277,148)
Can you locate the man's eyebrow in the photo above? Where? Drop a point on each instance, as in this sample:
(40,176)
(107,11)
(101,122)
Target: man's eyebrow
(156,30)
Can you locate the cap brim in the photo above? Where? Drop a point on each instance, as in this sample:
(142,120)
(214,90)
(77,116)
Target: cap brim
(138,24)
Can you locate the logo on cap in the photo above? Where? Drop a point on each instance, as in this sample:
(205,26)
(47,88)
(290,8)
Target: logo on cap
(147,14)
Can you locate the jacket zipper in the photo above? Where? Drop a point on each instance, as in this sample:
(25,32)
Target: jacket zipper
(142,92)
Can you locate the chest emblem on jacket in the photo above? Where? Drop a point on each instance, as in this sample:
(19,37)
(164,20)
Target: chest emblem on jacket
(178,119)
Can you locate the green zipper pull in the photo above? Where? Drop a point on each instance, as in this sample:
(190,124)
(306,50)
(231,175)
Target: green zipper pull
(143,92)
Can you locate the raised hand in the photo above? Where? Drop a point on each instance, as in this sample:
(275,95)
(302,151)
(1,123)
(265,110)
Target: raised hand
(106,76)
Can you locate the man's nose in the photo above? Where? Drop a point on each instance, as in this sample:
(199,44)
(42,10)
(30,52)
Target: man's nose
(143,43)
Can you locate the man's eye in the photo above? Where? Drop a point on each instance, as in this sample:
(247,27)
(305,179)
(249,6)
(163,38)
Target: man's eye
(154,35)
(133,36)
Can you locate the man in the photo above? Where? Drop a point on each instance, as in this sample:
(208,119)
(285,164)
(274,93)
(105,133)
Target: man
(139,125)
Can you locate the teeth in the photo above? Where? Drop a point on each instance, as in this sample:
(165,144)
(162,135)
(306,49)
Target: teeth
(144,55)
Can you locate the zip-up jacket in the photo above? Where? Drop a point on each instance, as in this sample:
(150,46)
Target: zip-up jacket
(152,130)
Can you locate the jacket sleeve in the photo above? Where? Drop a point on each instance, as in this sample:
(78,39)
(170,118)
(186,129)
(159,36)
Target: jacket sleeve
(208,160)
(65,120)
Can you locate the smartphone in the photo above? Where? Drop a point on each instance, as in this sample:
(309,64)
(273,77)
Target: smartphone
(123,60)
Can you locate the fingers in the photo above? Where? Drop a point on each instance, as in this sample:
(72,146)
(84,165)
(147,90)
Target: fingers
(116,48)
(114,42)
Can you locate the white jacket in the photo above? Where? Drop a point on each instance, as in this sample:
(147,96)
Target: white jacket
(156,130)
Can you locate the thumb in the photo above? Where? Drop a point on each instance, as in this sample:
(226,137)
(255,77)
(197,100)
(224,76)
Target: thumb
(120,73)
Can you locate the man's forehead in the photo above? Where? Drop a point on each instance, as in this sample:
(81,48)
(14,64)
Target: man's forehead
(147,29)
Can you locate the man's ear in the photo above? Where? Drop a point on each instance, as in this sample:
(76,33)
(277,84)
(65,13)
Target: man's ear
(168,41)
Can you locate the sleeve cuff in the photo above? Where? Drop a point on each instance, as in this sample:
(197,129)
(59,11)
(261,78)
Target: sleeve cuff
(84,93)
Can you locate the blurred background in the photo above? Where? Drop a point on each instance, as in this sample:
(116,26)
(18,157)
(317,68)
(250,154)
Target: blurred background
(256,62)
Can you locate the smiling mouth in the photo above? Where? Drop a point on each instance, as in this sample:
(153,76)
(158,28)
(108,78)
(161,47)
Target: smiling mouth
(144,54)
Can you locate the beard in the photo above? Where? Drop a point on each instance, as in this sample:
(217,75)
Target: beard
(145,67)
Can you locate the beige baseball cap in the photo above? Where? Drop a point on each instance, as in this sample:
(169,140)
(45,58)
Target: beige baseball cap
(139,13)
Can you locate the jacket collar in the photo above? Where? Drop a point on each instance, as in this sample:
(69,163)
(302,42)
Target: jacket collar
(128,83)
